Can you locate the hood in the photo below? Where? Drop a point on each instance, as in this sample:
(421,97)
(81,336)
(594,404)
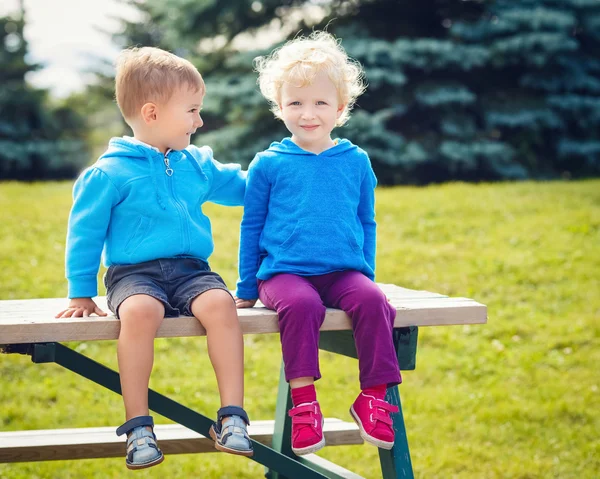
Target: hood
(126,148)
(288,147)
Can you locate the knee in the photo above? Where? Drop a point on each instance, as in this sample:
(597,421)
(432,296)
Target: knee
(300,320)
(217,302)
(305,306)
(374,300)
(141,309)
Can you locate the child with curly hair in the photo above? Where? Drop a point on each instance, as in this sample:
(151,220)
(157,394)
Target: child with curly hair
(308,236)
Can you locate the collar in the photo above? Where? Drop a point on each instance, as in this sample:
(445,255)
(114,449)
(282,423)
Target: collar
(131,139)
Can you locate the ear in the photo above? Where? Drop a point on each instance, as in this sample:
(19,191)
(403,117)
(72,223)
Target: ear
(149,112)
(340,110)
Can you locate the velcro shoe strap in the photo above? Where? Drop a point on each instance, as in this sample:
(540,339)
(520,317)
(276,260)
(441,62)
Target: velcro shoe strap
(378,403)
(306,408)
(133,423)
(232,411)
(383,417)
(309,420)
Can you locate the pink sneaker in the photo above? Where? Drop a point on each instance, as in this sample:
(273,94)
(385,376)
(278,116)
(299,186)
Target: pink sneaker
(373,418)
(307,428)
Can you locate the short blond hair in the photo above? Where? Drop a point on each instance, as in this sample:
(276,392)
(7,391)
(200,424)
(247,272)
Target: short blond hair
(149,74)
(300,60)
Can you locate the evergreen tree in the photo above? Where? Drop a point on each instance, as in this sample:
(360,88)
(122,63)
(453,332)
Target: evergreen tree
(545,102)
(466,90)
(37,141)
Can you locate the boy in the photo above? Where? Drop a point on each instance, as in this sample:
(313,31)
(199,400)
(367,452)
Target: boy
(140,206)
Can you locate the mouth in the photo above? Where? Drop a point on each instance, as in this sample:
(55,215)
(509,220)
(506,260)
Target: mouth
(310,127)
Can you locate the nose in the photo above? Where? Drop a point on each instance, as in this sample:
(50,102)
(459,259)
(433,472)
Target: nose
(308,114)
(199,122)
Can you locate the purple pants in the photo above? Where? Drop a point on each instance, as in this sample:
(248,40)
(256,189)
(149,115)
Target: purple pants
(300,302)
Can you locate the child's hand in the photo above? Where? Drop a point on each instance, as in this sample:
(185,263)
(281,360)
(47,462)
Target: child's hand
(79,307)
(245,303)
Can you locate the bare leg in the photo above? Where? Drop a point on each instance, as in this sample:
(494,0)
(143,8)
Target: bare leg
(141,316)
(301,382)
(217,313)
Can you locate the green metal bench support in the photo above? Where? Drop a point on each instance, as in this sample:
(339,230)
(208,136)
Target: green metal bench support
(100,374)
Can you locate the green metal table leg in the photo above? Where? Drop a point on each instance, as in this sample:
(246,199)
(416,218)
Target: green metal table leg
(405,341)
(282,434)
(396,463)
(90,369)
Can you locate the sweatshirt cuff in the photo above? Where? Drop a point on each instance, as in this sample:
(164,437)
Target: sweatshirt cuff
(246,293)
(83,287)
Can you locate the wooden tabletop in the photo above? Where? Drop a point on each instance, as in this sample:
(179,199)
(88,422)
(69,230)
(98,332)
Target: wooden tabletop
(33,321)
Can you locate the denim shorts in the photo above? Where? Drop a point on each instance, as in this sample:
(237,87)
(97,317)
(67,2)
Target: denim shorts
(175,282)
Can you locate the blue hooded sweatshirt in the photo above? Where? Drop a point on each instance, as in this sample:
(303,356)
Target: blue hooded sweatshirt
(137,204)
(307,214)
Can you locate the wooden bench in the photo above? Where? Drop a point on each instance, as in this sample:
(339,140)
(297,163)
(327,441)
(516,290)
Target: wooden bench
(29,327)
(102,442)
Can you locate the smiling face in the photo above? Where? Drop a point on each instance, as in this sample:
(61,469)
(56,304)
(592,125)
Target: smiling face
(177,119)
(310,112)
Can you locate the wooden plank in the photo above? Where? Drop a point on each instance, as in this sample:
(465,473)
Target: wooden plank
(32,321)
(97,442)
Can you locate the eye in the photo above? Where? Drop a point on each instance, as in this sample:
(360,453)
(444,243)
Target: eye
(294,103)
(320,102)
(193,110)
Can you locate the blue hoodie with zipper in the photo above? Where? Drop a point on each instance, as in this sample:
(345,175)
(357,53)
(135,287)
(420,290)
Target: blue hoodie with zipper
(137,204)
(307,214)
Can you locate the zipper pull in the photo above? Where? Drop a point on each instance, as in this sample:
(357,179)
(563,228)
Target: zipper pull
(168,170)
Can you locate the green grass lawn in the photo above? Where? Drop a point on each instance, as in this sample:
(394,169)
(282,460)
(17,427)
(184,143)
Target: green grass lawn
(516,398)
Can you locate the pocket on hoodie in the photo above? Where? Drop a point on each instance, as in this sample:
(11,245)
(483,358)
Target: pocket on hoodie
(321,237)
(138,234)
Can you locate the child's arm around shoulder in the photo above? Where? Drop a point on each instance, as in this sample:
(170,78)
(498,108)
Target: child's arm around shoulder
(227,180)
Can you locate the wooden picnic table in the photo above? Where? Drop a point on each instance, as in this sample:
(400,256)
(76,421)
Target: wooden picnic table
(29,327)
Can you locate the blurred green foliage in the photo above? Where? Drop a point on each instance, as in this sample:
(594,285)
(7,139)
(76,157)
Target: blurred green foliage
(472,90)
(38,139)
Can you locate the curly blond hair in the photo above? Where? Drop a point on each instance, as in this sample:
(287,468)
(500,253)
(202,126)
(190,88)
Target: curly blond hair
(300,60)
(150,74)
